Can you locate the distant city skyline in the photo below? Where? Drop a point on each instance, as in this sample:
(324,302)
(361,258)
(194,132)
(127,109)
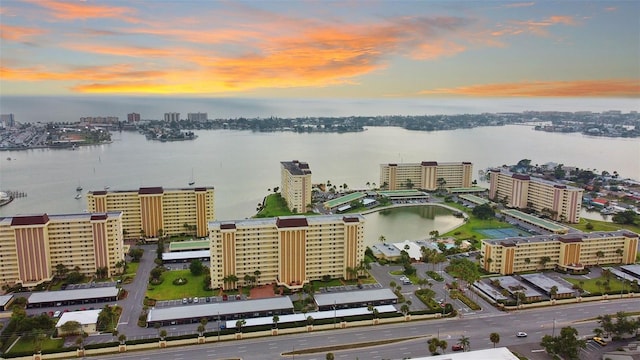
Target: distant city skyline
(321,49)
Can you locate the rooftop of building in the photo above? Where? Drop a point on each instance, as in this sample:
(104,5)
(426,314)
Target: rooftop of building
(514,286)
(402,193)
(296,167)
(72,295)
(188,245)
(4,299)
(299,220)
(536,179)
(151,190)
(486,354)
(430,163)
(474,199)
(546,283)
(542,223)
(41,219)
(477,189)
(185,255)
(344,199)
(354,297)
(220,308)
(84,317)
(560,238)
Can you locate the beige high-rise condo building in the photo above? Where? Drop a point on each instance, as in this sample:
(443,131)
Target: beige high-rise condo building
(567,252)
(153,211)
(295,177)
(427,175)
(31,246)
(290,251)
(560,202)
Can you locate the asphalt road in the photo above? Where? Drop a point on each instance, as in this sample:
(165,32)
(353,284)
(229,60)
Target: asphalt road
(535,322)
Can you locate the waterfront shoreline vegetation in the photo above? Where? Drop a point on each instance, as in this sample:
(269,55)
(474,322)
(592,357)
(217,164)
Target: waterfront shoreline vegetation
(167,291)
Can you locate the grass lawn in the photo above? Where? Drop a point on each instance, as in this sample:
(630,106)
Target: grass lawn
(604,226)
(274,206)
(590,285)
(24,345)
(168,291)
(132,268)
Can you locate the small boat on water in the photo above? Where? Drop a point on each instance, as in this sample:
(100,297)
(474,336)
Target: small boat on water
(192,181)
(79,188)
(78,196)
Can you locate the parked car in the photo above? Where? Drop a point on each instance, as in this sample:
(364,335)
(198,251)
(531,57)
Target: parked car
(184,300)
(207,299)
(600,341)
(195,300)
(521,334)
(57,314)
(457,347)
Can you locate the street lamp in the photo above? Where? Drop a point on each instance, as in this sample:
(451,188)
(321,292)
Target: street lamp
(334,314)
(218,326)
(553,332)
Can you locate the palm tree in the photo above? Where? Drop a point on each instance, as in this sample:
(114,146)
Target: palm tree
(201,329)
(330,356)
(122,339)
(443,345)
(494,338)
(257,274)
(276,318)
(464,342)
(599,254)
(553,292)
(163,334)
(382,239)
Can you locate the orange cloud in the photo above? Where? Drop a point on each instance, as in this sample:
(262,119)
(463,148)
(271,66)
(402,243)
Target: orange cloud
(18,33)
(67,10)
(577,88)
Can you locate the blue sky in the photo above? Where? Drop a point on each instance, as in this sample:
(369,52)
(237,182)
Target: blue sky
(321,49)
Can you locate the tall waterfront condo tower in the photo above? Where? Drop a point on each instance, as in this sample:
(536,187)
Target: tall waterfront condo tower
(427,175)
(296,185)
(32,246)
(290,251)
(154,211)
(560,201)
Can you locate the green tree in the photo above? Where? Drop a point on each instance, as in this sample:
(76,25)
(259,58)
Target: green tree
(239,324)
(483,212)
(136,254)
(465,343)
(566,345)
(626,217)
(122,339)
(163,334)
(330,356)
(494,338)
(196,268)
(275,319)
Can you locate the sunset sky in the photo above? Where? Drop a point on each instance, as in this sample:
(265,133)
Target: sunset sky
(321,49)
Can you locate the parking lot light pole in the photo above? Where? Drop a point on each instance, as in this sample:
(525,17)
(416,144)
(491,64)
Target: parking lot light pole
(334,314)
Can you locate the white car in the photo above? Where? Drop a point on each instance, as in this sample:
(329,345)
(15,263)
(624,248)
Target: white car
(521,334)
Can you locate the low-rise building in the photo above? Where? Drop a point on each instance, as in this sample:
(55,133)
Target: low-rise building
(88,320)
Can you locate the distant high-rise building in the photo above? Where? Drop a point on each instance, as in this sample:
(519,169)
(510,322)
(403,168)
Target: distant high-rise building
(427,175)
(7,120)
(100,119)
(197,116)
(296,185)
(174,116)
(133,117)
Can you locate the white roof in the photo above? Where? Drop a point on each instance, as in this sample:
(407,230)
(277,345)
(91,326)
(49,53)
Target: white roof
(501,353)
(181,255)
(316,315)
(69,295)
(414,249)
(86,317)
(220,308)
(4,299)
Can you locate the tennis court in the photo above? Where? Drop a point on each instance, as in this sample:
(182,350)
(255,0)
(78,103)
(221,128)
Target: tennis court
(503,233)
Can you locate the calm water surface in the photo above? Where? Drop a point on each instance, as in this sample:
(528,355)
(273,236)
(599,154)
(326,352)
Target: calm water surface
(242,165)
